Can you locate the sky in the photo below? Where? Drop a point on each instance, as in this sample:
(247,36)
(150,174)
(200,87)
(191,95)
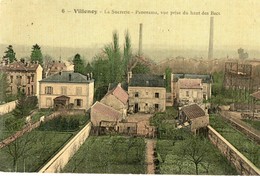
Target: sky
(49,22)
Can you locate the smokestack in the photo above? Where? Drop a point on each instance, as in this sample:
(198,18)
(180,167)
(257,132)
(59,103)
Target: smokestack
(211,33)
(140,39)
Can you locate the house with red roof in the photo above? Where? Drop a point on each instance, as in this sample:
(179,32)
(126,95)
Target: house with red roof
(117,98)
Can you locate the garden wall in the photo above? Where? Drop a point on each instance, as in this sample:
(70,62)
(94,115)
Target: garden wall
(59,161)
(241,163)
(7,107)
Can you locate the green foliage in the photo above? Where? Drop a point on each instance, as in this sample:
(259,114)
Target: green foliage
(114,154)
(24,105)
(177,157)
(168,73)
(88,69)
(78,64)
(36,54)
(141,69)
(3,88)
(127,53)
(165,123)
(253,123)
(31,151)
(68,123)
(10,54)
(239,140)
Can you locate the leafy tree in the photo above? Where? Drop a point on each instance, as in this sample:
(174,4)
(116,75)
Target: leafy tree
(141,69)
(242,54)
(78,64)
(127,53)
(24,105)
(195,150)
(88,68)
(10,54)
(3,87)
(168,72)
(36,54)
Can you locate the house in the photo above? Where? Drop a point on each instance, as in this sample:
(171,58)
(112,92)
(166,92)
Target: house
(67,90)
(194,117)
(23,76)
(147,93)
(189,91)
(205,79)
(117,98)
(55,67)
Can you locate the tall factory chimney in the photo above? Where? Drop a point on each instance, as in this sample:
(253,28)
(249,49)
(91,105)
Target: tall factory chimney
(211,33)
(140,39)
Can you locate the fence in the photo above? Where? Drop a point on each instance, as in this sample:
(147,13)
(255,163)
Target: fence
(241,163)
(58,162)
(7,107)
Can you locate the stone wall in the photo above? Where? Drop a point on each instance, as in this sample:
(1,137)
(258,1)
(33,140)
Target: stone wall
(59,161)
(241,163)
(7,107)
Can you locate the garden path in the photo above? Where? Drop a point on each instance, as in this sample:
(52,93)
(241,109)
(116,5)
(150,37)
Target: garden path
(150,145)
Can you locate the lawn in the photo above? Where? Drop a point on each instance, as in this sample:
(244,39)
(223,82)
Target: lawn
(169,162)
(109,154)
(253,123)
(248,148)
(34,148)
(17,124)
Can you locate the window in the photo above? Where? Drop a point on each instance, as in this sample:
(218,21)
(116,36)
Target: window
(32,77)
(32,90)
(48,90)
(78,102)
(64,90)
(156,95)
(146,93)
(78,90)
(11,78)
(19,80)
(156,107)
(187,93)
(29,79)
(136,94)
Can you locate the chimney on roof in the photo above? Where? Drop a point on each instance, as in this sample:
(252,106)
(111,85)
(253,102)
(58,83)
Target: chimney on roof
(211,33)
(91,75)
(69,77)
(88,77)
(140,39)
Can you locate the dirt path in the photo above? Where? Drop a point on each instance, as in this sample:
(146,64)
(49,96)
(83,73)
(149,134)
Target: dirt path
(150,145)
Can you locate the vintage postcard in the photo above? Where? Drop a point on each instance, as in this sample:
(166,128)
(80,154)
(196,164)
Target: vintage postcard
(130,87)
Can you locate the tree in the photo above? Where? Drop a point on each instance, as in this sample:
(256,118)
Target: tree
(88,69)
(24,105)
(36,54)
(78,64)
(242,54)
(10,54)
(168,72)
(3,87)
(141,69)
(195,150)
(127,53)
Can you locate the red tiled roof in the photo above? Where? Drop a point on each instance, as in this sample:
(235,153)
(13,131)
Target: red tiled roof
(193,111)
(119,93)
(20,66)
(106,110)
(190,83)
(256,95)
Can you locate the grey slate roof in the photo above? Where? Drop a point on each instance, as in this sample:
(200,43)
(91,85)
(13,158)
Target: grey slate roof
(64,77)
(204,78)
(144,80)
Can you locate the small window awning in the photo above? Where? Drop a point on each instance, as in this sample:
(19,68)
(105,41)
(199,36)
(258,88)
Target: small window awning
(61,98)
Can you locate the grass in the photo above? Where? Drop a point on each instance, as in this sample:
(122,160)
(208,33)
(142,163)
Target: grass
(109,154)
(171,163)
(40,147)
(248,148)
(253,123)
